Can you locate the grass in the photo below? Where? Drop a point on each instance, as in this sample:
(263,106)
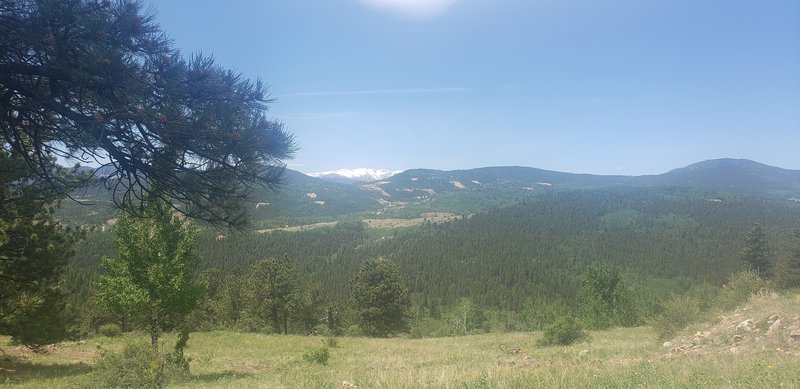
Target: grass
(615,358)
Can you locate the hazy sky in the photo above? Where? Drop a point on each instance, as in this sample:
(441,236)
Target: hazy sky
(590,86)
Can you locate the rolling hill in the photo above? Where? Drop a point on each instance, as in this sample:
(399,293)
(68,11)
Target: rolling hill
(304,199)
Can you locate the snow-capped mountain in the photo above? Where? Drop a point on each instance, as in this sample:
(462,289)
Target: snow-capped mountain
(355,175)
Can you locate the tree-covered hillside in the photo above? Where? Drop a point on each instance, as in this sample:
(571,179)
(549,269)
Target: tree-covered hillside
(501,257)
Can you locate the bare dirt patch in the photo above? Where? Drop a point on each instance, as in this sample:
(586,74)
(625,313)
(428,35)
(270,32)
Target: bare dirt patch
(52,350)
(458,184)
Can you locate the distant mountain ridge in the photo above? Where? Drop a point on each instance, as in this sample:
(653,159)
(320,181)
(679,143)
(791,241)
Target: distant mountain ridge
(729,174)
(303,198)
(732,173)
(355,175)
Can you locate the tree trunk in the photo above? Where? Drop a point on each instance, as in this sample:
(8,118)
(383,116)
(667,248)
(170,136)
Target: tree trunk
(154,330)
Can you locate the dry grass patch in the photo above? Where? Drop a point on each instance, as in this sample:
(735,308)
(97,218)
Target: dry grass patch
(625,357)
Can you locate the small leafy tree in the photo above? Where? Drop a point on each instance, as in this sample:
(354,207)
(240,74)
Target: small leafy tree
(604,300)
(381,298)
(154,272)
(466,317)
(788,269)
(755,253)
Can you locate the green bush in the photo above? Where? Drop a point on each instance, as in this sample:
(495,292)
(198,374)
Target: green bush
(109,329)
(565,331)
(678,313)
(136,366)
(332,342)
(319,355)
(740,287)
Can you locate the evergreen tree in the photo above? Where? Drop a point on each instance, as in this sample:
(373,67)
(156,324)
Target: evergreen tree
(788,269)
(153,274)
(755,252)
(271,293)
(205,315)
(229,303)
(99,82)
(381,298)
(34,249)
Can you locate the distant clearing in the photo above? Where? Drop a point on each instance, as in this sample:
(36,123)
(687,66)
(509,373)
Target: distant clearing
(433,217)
(304,227)
(458,184)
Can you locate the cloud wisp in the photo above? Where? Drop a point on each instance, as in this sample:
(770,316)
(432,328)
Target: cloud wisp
(377,92)
(414,8)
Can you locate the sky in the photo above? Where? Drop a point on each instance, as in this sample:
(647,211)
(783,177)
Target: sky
(587,86)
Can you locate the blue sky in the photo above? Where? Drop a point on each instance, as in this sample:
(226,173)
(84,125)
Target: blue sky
(589,86)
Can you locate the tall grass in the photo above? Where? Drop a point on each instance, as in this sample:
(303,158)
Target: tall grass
(628,357)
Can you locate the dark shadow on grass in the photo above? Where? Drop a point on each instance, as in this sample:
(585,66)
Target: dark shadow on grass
(18,370)
(223,375)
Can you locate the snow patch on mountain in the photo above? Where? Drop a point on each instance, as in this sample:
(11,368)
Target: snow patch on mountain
(360,174)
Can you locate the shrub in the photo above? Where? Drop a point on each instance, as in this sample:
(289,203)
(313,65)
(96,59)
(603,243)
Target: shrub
(319,355)
(565,331)
(332,342)
(136,366)
(354,330)
(678,313)
(109,329)
(740,287)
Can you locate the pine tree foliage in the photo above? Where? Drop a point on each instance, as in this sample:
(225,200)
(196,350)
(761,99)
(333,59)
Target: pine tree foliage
(788,269)
(99,82)
(271,293)
(34,250)
(381,298)
(755,252)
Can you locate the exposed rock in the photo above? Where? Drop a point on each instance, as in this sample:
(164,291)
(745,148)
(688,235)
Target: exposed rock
(349,385)
(747,325)
(667,344)
(774,317)
(735,350)
(736,338)
(775,326)
(795,335)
